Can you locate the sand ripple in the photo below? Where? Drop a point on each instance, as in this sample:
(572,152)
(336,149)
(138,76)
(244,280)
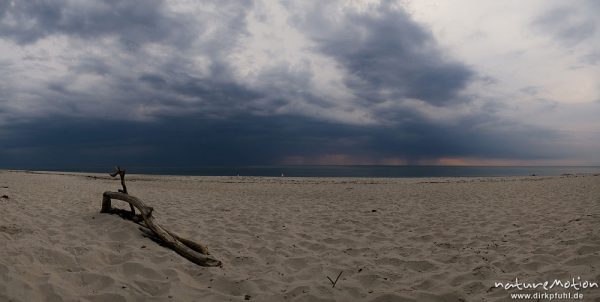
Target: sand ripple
(279,238)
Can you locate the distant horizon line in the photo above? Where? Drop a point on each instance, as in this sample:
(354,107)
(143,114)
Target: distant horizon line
(285,165)
(331,170)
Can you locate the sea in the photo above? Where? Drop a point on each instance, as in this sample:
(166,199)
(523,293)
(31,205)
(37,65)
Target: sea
(349,171)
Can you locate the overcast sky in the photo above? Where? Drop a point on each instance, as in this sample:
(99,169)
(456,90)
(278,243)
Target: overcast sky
(186,82)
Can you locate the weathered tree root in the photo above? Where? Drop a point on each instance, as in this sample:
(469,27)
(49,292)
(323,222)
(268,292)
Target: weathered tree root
(195,252)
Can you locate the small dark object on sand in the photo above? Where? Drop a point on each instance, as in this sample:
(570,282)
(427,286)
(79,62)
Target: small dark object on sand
(5,196)
(336,279)
(373,211)
(247,297)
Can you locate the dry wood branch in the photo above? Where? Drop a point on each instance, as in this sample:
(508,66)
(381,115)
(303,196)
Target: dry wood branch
(190,250)
(121,174)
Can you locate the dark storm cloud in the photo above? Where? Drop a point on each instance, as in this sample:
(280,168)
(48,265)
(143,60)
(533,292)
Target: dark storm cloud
(477,137)
(387,55)
(143,108)
(92,65)
(214,96)
(134,21)
(246,140)
(128,68)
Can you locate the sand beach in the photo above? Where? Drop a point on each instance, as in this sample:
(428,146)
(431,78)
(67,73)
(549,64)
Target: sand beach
(413,239)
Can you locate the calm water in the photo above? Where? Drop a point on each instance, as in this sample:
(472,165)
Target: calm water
(354,171)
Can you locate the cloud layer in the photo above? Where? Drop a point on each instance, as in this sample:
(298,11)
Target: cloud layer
(239,83)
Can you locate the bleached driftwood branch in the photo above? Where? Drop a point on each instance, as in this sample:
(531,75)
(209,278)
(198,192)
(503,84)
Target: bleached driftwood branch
(121,173)
(195,252)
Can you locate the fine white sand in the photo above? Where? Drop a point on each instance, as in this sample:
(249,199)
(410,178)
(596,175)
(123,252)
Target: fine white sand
(426,239)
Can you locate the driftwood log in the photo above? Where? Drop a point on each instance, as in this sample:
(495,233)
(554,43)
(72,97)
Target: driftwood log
(193,251)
